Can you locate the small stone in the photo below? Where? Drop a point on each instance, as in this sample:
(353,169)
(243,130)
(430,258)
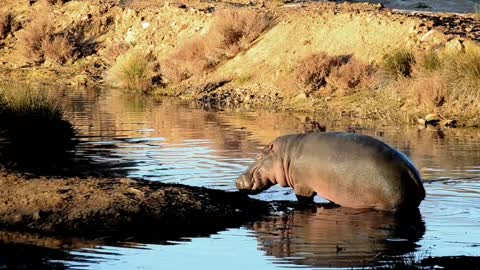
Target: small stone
(300,96)
(449,123)
(421,121)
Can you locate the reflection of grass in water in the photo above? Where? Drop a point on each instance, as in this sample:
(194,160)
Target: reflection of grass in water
(33,128)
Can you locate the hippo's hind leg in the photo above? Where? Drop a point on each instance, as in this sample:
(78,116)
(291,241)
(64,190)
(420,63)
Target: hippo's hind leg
(304,194)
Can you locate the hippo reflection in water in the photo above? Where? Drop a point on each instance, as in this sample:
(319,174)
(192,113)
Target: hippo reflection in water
(339,237)
(349,169)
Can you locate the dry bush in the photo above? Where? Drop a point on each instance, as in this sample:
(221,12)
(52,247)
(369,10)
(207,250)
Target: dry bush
(398,63)
(5,23)
(58,49)
(135,70)
(114,50)
(194,58)
(351,77)
(429,61)
(464,68)
(430,91)
(313,71)
(30,39)
(231,32)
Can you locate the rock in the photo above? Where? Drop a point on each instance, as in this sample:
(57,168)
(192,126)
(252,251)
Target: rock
(131,37)
(434,36)
(80,80)
(421,121)
(300,96)
(449,123)
(432,119)
(455,45)
(145,25)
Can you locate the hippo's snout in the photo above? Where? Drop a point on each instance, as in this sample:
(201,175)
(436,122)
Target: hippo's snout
(244,183)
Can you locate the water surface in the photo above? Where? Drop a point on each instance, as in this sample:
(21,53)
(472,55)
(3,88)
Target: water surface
(178,143)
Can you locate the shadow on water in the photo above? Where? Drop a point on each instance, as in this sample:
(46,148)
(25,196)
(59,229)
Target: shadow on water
(339,237)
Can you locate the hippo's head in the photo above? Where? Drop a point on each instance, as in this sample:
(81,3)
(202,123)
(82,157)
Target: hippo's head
(266,171)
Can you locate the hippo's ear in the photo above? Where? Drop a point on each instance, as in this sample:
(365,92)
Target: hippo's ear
(268,147)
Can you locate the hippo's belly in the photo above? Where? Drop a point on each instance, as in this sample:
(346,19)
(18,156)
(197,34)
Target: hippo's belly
(356,180)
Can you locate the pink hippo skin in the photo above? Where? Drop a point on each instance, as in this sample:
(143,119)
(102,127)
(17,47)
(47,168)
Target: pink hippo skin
(349,169)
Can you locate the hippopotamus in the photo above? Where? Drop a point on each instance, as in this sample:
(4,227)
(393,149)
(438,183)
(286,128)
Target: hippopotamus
(348,169)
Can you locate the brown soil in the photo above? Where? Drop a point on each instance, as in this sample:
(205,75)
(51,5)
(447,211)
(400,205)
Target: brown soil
(119,207)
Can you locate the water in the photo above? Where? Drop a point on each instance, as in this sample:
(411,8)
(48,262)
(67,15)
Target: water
(456,6)
(176,143)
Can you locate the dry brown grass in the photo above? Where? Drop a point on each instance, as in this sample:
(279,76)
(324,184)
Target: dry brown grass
(52,2)
(231,32)
(5,23)
(114,50)
(312,72)
(430,92)
(324,75)
(30,39)
(351,77)
(58,49)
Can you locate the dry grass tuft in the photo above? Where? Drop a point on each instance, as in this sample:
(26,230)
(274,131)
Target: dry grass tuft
(430,92)
(114,50)
(5,23)
(134,70)
(324,75)
(430,61)
(231,32)
(58,49)
(351,77)
(313,71)
(464,68)
(398,63)
(31,38)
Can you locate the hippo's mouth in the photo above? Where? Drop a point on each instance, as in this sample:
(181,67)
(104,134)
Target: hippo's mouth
(250,192)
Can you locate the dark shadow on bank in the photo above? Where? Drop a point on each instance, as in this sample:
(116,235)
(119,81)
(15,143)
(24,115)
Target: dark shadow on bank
(339,237)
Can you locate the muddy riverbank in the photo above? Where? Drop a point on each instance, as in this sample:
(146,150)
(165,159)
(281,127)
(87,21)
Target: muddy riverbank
(119,207)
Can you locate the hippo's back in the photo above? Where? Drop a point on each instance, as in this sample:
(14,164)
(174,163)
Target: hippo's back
(357,171)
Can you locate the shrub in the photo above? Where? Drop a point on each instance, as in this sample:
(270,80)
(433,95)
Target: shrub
(430,91)
(312,72)
(230,32)
(233,31)
(134,70)
(33,129)
(31,38)
(351,77)
(429,62)
(5,23)
(57,49)
(114,50)
(398,63)
(464,67)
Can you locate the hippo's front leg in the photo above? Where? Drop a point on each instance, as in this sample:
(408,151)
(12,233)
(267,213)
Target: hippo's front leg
(304,194)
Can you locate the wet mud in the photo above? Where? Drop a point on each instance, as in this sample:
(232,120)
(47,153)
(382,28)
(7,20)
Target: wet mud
(119,208)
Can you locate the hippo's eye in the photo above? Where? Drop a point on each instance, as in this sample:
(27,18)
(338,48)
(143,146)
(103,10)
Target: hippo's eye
(259,156)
